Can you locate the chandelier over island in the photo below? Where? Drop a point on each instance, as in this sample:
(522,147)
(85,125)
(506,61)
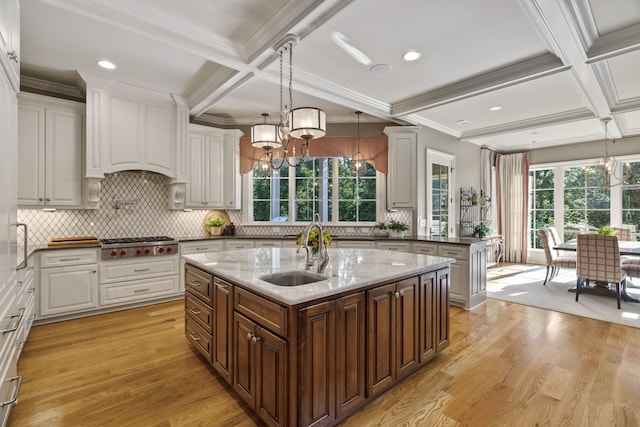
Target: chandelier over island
(302,123)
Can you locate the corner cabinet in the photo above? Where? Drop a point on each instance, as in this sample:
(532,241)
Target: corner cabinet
(214,180)
(50,135)
(402,172)
(10,40)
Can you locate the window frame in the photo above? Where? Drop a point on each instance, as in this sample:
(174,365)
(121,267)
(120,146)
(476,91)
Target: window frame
(247,201)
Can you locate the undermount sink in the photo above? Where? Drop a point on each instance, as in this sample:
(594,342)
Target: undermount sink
(293,278)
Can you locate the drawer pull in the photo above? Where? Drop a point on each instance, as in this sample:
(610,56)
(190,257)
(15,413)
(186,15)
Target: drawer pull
(195,283)
(14,397)
(201,249)
(70,259)
(195,311)
(452,253)
(31,290)
(141,290)
(221,285)
(140,270)
(14,316)
(19,284)
(194,337)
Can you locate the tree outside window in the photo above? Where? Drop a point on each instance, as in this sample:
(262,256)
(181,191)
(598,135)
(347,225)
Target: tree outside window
(541,196)
(631,198)
(587,202)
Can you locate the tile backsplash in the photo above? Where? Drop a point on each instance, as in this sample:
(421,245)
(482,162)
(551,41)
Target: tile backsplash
(135,204)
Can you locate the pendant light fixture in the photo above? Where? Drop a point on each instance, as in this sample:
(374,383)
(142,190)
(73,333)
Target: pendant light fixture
(607,166)
(304,123)
(265,135)
(358,161)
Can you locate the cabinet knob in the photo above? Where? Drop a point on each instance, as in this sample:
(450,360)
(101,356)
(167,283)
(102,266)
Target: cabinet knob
(397,294)
(255,339)
(13,55)
(40,199)
(48,199)
(248,336)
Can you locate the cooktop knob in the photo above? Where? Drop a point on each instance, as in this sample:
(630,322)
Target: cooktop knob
(123,252)
(161,250)
(114,253)
(147,250)
(169,249)
(138,251)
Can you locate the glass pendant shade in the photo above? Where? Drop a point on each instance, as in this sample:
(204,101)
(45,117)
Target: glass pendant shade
(265,136)
(307,123)
(359,164)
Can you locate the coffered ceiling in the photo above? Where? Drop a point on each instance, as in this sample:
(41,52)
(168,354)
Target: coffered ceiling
(556,67)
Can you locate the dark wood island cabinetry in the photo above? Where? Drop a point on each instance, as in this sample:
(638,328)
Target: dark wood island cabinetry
(315,362)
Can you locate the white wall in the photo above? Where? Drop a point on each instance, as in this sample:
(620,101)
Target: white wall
(466,173)
(585,150)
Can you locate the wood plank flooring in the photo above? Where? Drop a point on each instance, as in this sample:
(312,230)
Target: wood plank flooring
(507,365)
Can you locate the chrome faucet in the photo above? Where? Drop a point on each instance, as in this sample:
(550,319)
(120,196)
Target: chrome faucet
(323,251)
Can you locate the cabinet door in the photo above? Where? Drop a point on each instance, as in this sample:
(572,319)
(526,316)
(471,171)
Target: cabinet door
(317,364)
(402,175)
(244,355)
(231,172)
(407,326)
(159,142)
(68,289)
(222,328)
(271,376)
(350,348)
(459,283)
(63,157)
(31,133)
(10,40)
(428,320)
(214,172)
(381,338)
(442,331)
(197,165)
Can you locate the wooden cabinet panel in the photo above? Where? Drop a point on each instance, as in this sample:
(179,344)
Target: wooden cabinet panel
(266,313)
(442,315)
(317,364)
(407,326)
(427,332)
(201,312)
(381,338)
(222,328)
(200,283)
(271,377)
(198,337)
(244,369)
(350,348)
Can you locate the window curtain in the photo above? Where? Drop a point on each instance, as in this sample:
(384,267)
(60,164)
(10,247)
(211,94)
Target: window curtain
(374,149)
(512,182)
(488,179)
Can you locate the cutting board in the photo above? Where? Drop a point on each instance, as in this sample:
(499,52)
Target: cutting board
(73,241)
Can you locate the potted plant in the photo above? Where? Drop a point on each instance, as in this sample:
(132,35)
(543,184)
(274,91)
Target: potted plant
(380,229)
(215,225)
(606,230)
(397,228)
(481,230)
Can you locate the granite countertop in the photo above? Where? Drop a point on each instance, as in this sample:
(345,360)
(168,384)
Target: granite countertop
(452,240)
(349,269)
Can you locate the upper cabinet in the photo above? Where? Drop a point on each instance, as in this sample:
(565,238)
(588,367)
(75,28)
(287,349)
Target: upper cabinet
(10,40)
(402,171)
(50,135)
(213,168)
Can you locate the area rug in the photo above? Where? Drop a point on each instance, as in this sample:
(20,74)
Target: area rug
(522,284)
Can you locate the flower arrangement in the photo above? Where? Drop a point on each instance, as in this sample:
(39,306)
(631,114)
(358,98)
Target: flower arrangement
(313,240)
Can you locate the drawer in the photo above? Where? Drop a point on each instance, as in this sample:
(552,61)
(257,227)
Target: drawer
(267,314)
(356,244)
(425,249)
(138,290)
(198,337)
(204,246)
(267,244)
(238,244)
(117,271)
(454,251)
(199,311)
(199,283)
(64,257)
(394,246)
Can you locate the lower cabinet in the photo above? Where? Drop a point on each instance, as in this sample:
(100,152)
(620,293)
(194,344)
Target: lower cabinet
(260,370)
(316,363)
(392,333)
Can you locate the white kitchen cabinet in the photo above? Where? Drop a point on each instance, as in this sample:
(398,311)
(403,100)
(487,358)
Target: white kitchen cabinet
(356,244)
(239,244)
(425,248)
(402,172)
(394,246)
(50,134)
(468,284)
(213,169)
(10,40)
(68,281)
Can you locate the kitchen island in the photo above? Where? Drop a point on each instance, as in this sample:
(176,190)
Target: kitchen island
(315,353)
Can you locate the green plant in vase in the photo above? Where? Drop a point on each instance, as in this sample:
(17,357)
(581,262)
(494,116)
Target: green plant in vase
(397,228)
(481,230)
(215,225)
(606,230)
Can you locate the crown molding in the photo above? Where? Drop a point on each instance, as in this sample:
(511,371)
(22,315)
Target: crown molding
(614,44)
(40,85)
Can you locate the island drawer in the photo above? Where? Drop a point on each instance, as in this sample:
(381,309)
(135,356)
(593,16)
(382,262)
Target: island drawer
(199,311)
(267,314)
(198,337)
(199,282)
(454,251)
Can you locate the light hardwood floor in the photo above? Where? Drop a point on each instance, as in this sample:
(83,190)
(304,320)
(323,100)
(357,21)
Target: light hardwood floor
(507,365)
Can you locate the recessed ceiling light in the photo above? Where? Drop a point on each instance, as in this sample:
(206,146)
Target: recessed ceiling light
(496,108)
(107,64)
(411,55)
(463,122)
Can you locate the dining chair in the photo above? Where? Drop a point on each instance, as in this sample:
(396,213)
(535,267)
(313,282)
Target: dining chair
(598,259)
(623,233)
(554,260)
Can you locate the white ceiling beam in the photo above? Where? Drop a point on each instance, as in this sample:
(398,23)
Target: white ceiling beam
(614,44)
(510,75)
